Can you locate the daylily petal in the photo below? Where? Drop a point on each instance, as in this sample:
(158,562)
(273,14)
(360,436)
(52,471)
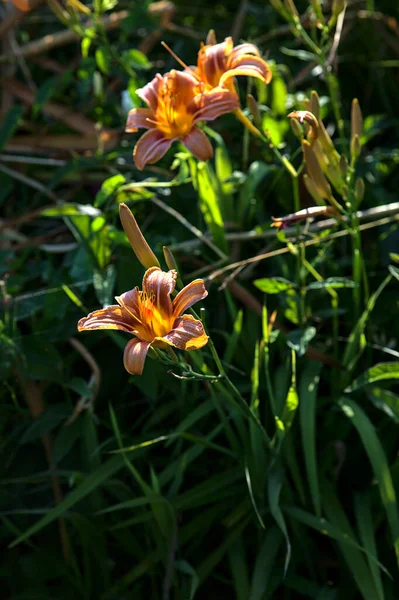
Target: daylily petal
(189,295)
(198,144)
(187,334)
(211,105)
(248,69)
(138,118)
(159,285)
(241,49)
(134,356)
(150,148)
(212,62)
(130,302)
(110,317)
(150,92)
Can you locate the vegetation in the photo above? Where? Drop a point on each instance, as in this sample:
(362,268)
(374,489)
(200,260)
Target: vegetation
(261,462)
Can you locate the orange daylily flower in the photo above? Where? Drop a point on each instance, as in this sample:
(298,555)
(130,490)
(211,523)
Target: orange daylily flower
(218,63)
(152,317)
(177,101)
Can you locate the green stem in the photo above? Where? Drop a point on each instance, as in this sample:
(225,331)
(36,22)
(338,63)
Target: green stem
(239,401)
(266,139)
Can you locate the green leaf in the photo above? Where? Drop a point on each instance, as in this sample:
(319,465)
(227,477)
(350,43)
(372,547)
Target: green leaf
(103,59)
(233,338)
(10,123)
(308,387)
(90,483)
(331,283)
(209,201)
(257,171)
(386,401)
(379,372)
(279,95)
(48,420)
(299,339)
(357,343)
(108,188)
(274,285)
(301,54)
(366,526)
(70,209)
(264,564)
(394,271)
(44,93)
(376,454)
(135,59)
(239,569)
(274,485)
(104,284)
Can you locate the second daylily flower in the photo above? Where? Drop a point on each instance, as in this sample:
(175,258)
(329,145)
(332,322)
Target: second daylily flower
(218,64)
(152,318)
(176,102)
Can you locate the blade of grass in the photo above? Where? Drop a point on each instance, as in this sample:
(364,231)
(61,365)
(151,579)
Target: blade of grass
(307,413)
(376,454)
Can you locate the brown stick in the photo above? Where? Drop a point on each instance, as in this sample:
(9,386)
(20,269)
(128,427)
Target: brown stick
(64,143)
(60,38)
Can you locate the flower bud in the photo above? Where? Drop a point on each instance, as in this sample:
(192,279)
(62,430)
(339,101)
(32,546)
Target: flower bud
(315,171)
(211,38)
(137,241)
(315,104)
(359,189)
(356,119)
(343,165)
(296,129)
(305,116)
(169,259)
(290,6)
(312,189)
(337,7)
(355,147)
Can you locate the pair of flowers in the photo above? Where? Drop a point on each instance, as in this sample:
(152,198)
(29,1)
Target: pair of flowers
(179,100)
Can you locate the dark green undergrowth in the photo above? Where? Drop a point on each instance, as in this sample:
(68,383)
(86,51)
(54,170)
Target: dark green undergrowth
(264,465)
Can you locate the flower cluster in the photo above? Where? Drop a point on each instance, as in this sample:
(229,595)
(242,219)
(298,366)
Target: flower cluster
(179,100)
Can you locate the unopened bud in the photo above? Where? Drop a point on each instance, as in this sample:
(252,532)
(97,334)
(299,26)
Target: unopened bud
(305,116)
(296,129)
(312,189)
(169,258)
(211,38)
(315,171)
(327,144)
(137,241)
(343,165)
(356,119)
(315,104)
(317,10)
(254,110)
(301,215)
(355,147)
(337,7)
(359,189)
(290,6)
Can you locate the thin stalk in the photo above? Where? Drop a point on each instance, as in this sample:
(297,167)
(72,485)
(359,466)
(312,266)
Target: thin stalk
(262,136)
(236,397)
(300,258)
